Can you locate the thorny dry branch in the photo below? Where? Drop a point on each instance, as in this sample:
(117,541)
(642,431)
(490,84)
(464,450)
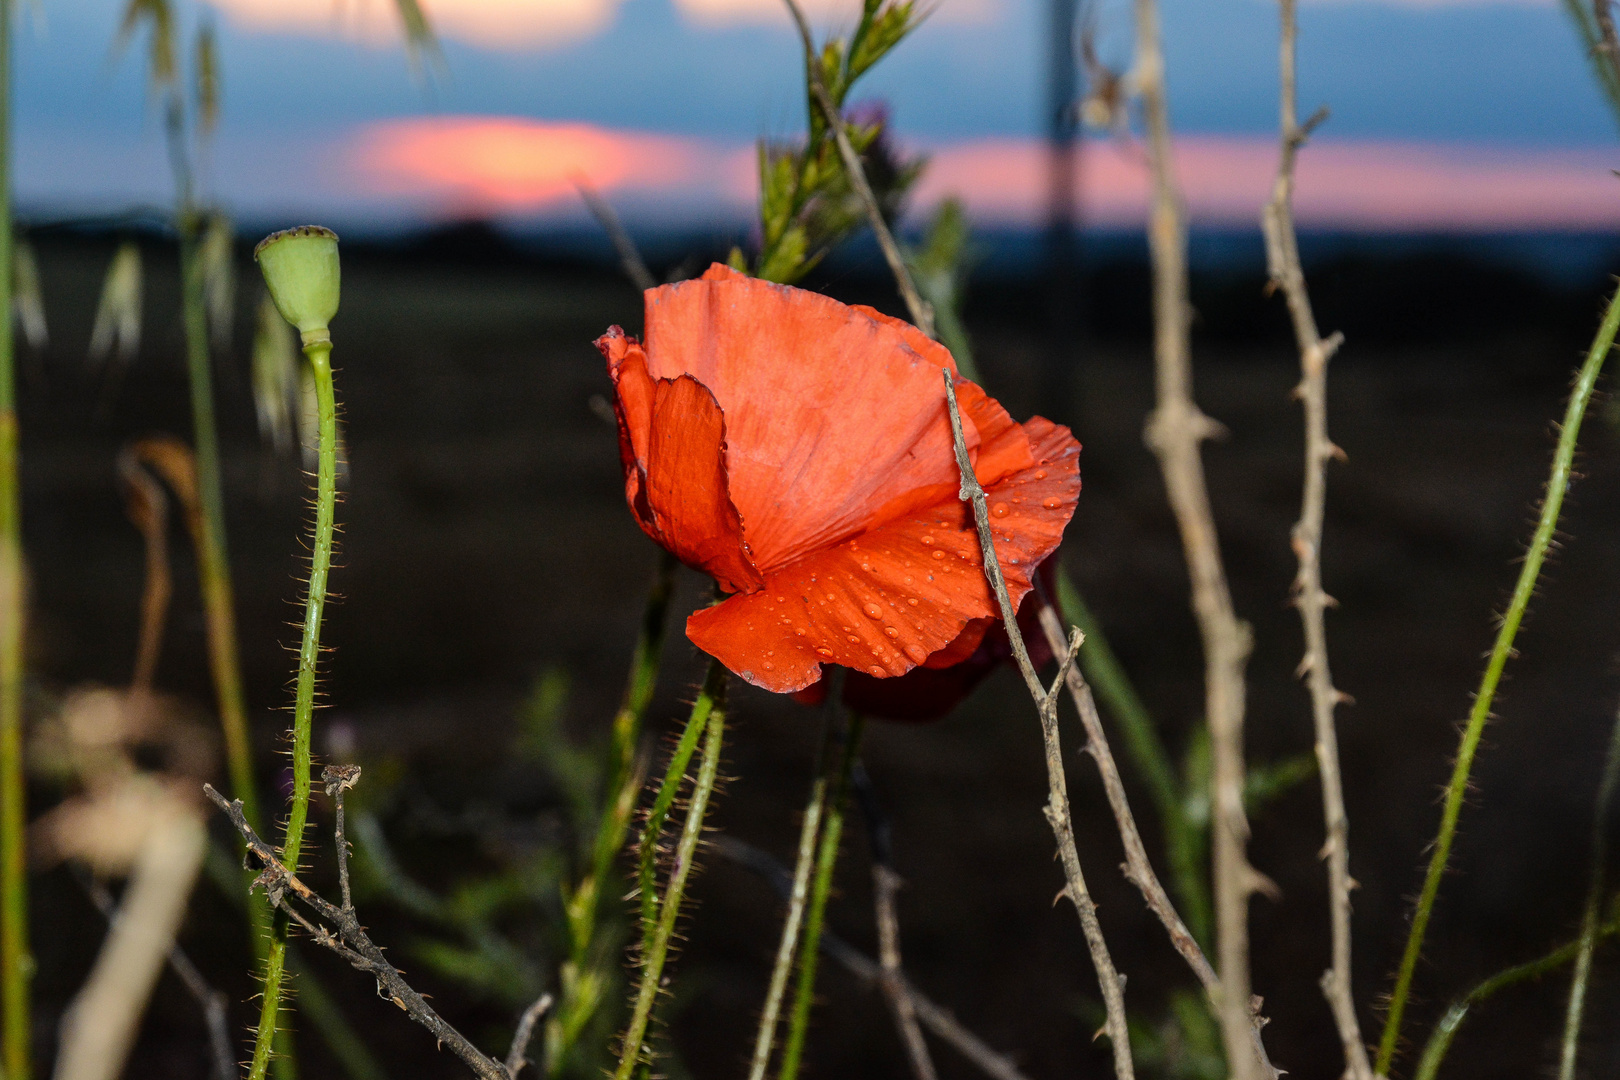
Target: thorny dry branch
(1283,265)
(351,941)
(1174,433)
(934,1017)
(885,883)
(922,313)
(1137,868)
(1609,44)
(1057,805)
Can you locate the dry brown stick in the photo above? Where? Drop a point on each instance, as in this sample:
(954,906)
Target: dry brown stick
(934,1017)
(1137,868)
(1283,264)
(630,260)
(922,313)
(1174,432)
(148,507)
(516,1057)
(1057,804)
(885,883)
(351,942)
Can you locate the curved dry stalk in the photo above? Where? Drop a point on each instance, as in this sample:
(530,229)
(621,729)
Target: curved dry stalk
(922,313)
(1057,804)
(1282,259)
(1174,433)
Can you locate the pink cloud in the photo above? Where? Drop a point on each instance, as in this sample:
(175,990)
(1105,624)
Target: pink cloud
(1375,185)
(506,165)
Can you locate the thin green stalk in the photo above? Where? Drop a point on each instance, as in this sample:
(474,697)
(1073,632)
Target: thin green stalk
(1594,900)
(804,993)
(581,986)
(1146,750)
(16,963)
(798,896)
(711,703)
(1446,1030)
(320,358)
(1557,484)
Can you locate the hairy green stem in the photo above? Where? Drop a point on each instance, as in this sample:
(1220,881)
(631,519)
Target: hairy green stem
(582,987)
(1557,484)
(799,895)
(1594,901)
(709,716)
(804,993)
(16,962)
(1445,1031)
(320,358)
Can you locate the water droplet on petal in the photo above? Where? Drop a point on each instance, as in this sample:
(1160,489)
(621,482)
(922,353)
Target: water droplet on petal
(1000,510)
(1040,474)
(876,671)
(1052,502)
(769,666)
(912,600)
(927,539)
(917,653)
(854,640)
(798,631)
(867,567)
(939,554)
(873,611)
(824,651)
(891,631)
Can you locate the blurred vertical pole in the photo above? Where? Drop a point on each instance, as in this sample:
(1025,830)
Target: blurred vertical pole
(1061,244)
(16,965)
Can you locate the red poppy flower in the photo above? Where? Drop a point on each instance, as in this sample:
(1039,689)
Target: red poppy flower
(936,686)
(799,451)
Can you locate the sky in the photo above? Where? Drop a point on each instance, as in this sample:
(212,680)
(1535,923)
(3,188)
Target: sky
(1445,113)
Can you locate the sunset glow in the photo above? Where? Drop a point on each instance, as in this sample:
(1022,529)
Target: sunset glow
(494,24)
(520,166)
(505,164)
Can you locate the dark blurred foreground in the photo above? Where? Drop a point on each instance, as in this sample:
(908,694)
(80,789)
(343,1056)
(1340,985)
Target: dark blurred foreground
(485,541)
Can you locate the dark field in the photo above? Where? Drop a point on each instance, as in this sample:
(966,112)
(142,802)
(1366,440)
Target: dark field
(485,541)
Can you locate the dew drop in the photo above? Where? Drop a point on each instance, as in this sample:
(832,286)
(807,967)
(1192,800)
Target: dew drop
(1052,502)
(917,653)
(912,600)
(798,631)
(891,631)
(939,554)
(876,671)
(927,538)
(867,567)
(769,666)
(854,640)
(1040,474)
(1000,510)
(873,611)
(781,599)
(824,651)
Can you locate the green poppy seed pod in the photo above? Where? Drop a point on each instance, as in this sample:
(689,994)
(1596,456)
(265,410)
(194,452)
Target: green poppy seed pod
(301,268)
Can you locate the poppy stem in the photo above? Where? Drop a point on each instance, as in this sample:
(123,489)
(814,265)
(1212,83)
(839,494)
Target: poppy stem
(579,996)
(320,358)
(16,962)
(1552,503)
(799,895)
(708,717)
(804,992)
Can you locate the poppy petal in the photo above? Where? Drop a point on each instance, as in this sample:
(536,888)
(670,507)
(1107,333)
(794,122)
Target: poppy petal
(796,375)
(885,601)
(672,435)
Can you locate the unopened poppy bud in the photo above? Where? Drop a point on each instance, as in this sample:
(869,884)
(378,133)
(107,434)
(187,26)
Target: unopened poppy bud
(301,268)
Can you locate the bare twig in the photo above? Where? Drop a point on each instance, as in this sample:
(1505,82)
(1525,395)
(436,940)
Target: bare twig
(1174,433)
(338,779)
(1138,869)
(630,260)
(1282,259)
(885,883)
(516,1057)
(1609,41)
(935,1017)
(922,313)
(212,1002)
(1057,805)
(351,942)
